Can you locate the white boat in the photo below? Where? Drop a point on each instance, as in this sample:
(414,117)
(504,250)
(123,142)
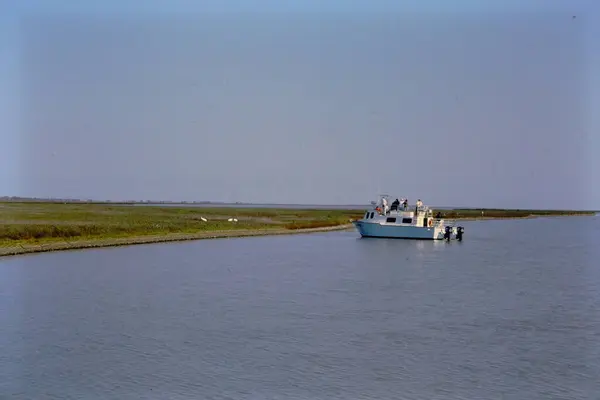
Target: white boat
(405,222)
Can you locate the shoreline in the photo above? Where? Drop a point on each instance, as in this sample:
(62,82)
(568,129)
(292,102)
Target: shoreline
(37,228)
(151,239)
(532,216)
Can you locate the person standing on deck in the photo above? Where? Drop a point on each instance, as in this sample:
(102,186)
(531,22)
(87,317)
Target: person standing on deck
(419,204)
(405,203)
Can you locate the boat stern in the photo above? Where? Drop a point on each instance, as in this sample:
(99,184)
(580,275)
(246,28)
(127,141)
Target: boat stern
(453,232)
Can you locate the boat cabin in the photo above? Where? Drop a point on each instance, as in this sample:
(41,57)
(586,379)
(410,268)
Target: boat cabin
(384,211)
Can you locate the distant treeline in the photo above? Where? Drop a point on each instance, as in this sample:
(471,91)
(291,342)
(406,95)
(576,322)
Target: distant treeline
(508,213)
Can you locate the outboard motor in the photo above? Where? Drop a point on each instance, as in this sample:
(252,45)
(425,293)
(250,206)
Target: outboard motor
(447,233)
(459,233)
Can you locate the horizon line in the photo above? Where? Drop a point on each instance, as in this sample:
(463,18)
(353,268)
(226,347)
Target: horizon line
(241,203)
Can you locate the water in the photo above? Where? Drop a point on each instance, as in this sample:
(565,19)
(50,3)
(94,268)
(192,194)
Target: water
(513,312)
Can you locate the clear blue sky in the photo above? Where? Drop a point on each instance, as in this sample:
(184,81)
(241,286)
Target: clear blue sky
(475,103)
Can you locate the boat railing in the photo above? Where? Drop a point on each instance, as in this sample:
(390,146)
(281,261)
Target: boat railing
(444,221)
(401,209)
(411,208)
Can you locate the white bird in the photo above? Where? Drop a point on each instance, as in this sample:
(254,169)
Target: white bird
(230,219)
(203,219)
(235,220)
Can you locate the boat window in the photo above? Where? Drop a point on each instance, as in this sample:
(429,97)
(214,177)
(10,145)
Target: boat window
(390,219)
(372,215)
(366,215)
(407,220)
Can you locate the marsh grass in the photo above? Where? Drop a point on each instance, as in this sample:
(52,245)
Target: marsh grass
(507,213)
(34,222)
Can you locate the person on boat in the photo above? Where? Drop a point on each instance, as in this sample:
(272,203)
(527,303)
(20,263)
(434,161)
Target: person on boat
(419,203)
(438,215)
(395,205)
(405,203)
(384,203)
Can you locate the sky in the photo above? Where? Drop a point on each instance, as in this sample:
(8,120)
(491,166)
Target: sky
(466,103)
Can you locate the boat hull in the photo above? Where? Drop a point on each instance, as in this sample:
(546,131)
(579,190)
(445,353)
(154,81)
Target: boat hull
(394,231)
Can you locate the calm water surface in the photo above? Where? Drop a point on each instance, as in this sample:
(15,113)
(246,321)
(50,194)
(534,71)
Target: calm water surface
(513,312)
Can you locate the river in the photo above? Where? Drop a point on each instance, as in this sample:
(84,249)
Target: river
(512,312)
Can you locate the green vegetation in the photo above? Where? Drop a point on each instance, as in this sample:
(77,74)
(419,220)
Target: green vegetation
(43,222)
(493,213)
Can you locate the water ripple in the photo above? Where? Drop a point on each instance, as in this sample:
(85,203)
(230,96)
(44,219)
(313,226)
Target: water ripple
(513,312)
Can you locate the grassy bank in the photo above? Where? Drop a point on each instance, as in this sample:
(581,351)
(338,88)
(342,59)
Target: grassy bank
(24,247)
(23,225)
(29,227)
(494,213)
